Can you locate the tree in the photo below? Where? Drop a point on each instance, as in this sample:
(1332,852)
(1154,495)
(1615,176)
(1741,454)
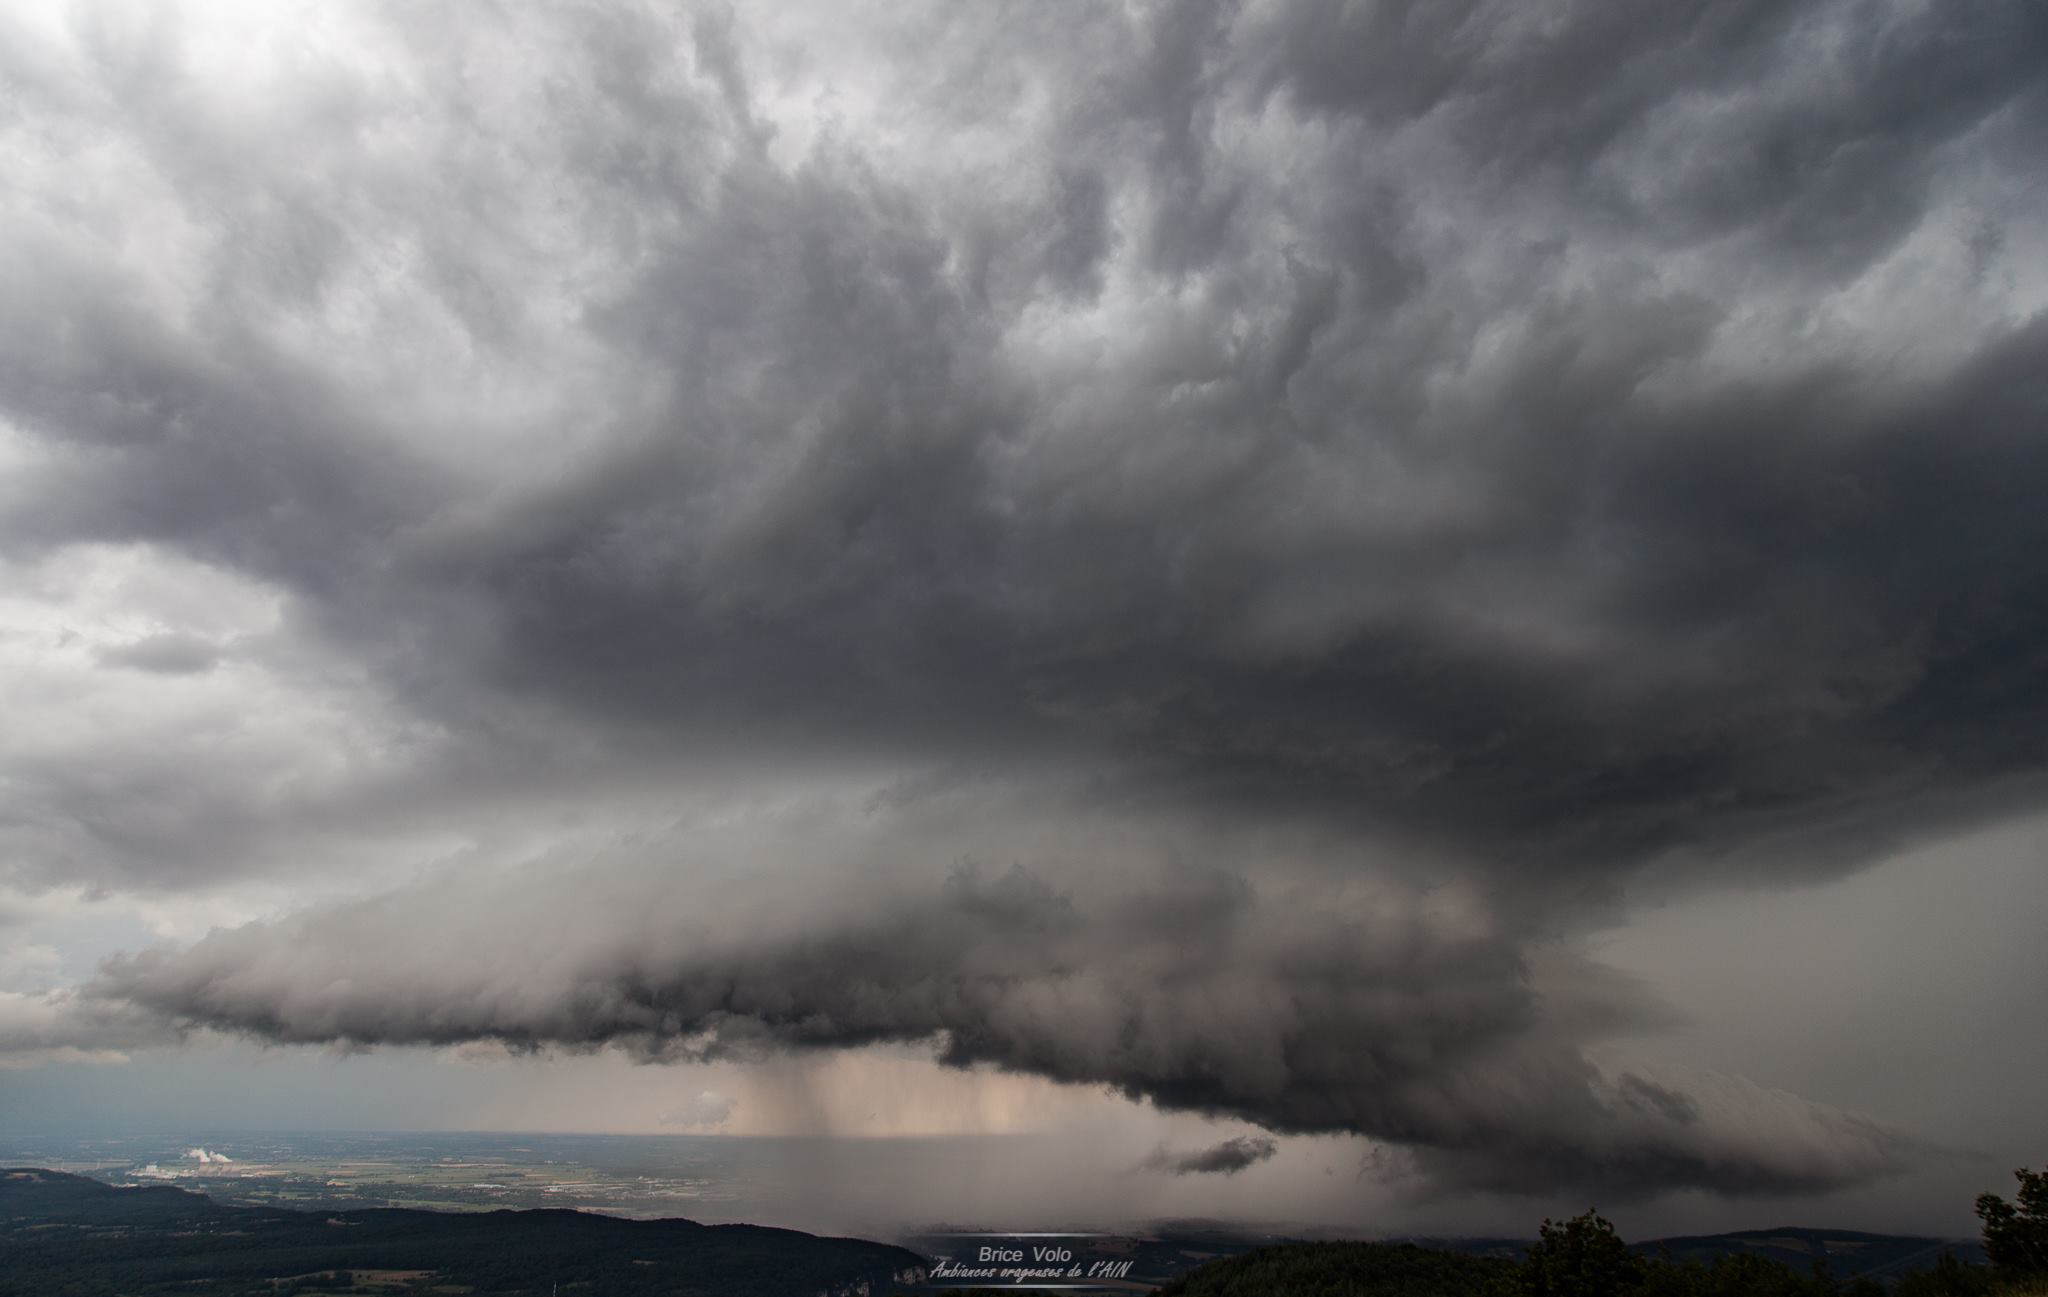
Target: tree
(2016,1235)
(1581,1257)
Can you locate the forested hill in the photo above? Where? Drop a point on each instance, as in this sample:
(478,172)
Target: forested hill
(68,1236)
(1343,1270)
(1758,1263)
(1845,1252)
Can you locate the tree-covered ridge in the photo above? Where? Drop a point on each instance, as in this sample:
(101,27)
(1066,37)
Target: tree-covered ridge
(1586,1257)
(1342,1270)
(68,1236)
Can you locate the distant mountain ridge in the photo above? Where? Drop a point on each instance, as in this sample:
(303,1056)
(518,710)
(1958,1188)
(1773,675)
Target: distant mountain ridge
(74,1235)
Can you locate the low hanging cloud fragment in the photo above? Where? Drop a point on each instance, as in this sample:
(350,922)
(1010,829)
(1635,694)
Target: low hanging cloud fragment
(707,1111)
(1225,1158)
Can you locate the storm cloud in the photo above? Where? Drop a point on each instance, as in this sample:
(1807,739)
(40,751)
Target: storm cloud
(1311,504)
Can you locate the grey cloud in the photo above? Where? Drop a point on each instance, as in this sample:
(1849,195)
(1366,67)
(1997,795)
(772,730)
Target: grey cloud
(167,654)
(860,515)
(1225,1158)
(63,1027)
(1810,126)
(1412,425)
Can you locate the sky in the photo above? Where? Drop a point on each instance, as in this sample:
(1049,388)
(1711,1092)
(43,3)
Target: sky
(1372,612)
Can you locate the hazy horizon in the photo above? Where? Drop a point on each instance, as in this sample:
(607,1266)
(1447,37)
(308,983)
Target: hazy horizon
(829,1184)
